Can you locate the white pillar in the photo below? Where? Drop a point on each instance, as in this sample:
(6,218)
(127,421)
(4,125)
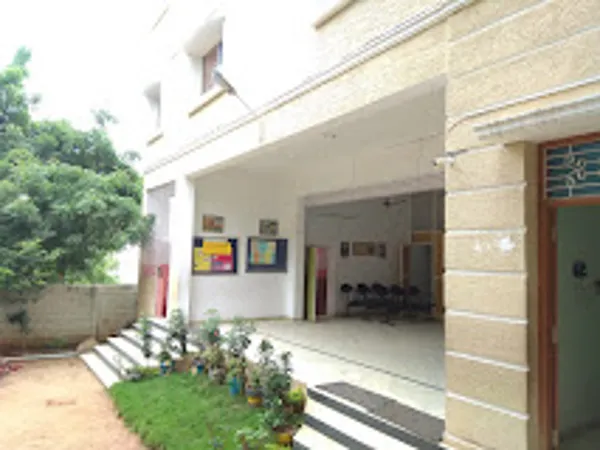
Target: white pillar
(296,262)
(181,229)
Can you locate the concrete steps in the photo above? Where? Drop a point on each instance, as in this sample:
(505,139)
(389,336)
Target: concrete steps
(331,422)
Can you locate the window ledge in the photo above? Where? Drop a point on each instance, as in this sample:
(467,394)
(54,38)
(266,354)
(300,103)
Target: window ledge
(326,15)
(206,99)
(156,136)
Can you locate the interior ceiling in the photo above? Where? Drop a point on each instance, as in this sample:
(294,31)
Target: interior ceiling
(399,119)
(349,208)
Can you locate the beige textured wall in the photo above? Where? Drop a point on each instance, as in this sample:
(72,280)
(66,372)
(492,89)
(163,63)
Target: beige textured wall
(502,57)
(489,260)
(72,314)
(359,23)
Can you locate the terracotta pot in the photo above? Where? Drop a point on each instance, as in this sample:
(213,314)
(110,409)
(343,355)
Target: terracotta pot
(284,437)
(299,407)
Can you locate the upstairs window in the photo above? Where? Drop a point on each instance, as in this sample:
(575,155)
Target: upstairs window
(154,101)
(211,60)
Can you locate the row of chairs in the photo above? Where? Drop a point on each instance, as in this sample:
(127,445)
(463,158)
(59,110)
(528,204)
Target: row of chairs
(391,300)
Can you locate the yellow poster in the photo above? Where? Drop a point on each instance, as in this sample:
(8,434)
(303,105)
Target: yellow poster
(202,261)
(216,248)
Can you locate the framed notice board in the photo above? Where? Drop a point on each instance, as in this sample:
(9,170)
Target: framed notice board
(214,256)
(266,255)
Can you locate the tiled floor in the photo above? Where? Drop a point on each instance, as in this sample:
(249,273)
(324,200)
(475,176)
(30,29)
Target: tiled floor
(405,362)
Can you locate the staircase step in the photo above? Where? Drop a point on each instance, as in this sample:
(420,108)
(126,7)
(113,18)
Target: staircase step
(113,358)
(160,334)
(347,431)
(131,351)
(329,402)
(309,438)
(134,338)
(100,369)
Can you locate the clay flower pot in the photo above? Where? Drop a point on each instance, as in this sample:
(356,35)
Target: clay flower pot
(284,436)
(254,396)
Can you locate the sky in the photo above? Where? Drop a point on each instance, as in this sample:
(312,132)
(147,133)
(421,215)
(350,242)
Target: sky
(85,56)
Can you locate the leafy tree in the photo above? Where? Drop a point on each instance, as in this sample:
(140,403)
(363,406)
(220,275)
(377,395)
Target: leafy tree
(68,200)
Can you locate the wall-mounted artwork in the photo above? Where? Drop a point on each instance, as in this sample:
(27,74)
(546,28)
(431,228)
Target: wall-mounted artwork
(363,249)
(268,227)
(382,250)
(266,255)
(212,223)
(214,256)
(344,249)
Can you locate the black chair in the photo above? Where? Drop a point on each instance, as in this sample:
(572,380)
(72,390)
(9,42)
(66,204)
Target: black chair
(382,300)
(398,301)
(346,290)
(363,291)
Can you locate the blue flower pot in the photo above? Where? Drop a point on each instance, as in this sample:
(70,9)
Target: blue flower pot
(235,386)
(199,368)
(164,367)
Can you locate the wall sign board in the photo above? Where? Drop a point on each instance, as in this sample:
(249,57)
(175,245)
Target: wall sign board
(266,255)
(214,256)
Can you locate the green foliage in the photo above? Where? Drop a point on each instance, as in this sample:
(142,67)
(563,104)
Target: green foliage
(210,330)
(237,339)
(67,199)
(146,337)
(182,411)
(178,329)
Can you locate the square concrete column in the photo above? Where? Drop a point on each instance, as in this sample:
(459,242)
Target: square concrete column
(491,295)
(181,228)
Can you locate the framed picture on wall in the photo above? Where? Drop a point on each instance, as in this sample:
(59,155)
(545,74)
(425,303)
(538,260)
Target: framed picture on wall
(212,223)
(363,249)
(266,255)
(344,249)
(268,227)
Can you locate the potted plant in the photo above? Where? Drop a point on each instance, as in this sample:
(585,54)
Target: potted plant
(234,376)
(296,398)
(277,379)
(237,339)
(215,363)
(146,338)
(210,331)
(281,421)
(253,388)
(253,438)
(198,363)
(166,360)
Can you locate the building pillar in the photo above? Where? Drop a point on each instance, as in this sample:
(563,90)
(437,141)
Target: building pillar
(181,228)
(491,297)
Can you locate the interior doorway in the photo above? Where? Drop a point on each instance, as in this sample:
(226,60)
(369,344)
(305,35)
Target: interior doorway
(569,293)
(577,287)
(316,283)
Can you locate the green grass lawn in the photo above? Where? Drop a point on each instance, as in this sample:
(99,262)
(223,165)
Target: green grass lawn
(177,412)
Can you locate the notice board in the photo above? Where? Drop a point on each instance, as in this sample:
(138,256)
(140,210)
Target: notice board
(266,255)
(214,256)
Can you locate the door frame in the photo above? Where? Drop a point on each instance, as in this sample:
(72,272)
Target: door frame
(547,292)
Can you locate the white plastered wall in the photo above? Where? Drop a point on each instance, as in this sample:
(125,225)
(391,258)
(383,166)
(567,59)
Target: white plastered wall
(243,199)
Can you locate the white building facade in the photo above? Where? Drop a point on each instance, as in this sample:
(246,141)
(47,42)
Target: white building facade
(444,112)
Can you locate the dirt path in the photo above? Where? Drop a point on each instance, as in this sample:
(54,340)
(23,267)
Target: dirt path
(59,405)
